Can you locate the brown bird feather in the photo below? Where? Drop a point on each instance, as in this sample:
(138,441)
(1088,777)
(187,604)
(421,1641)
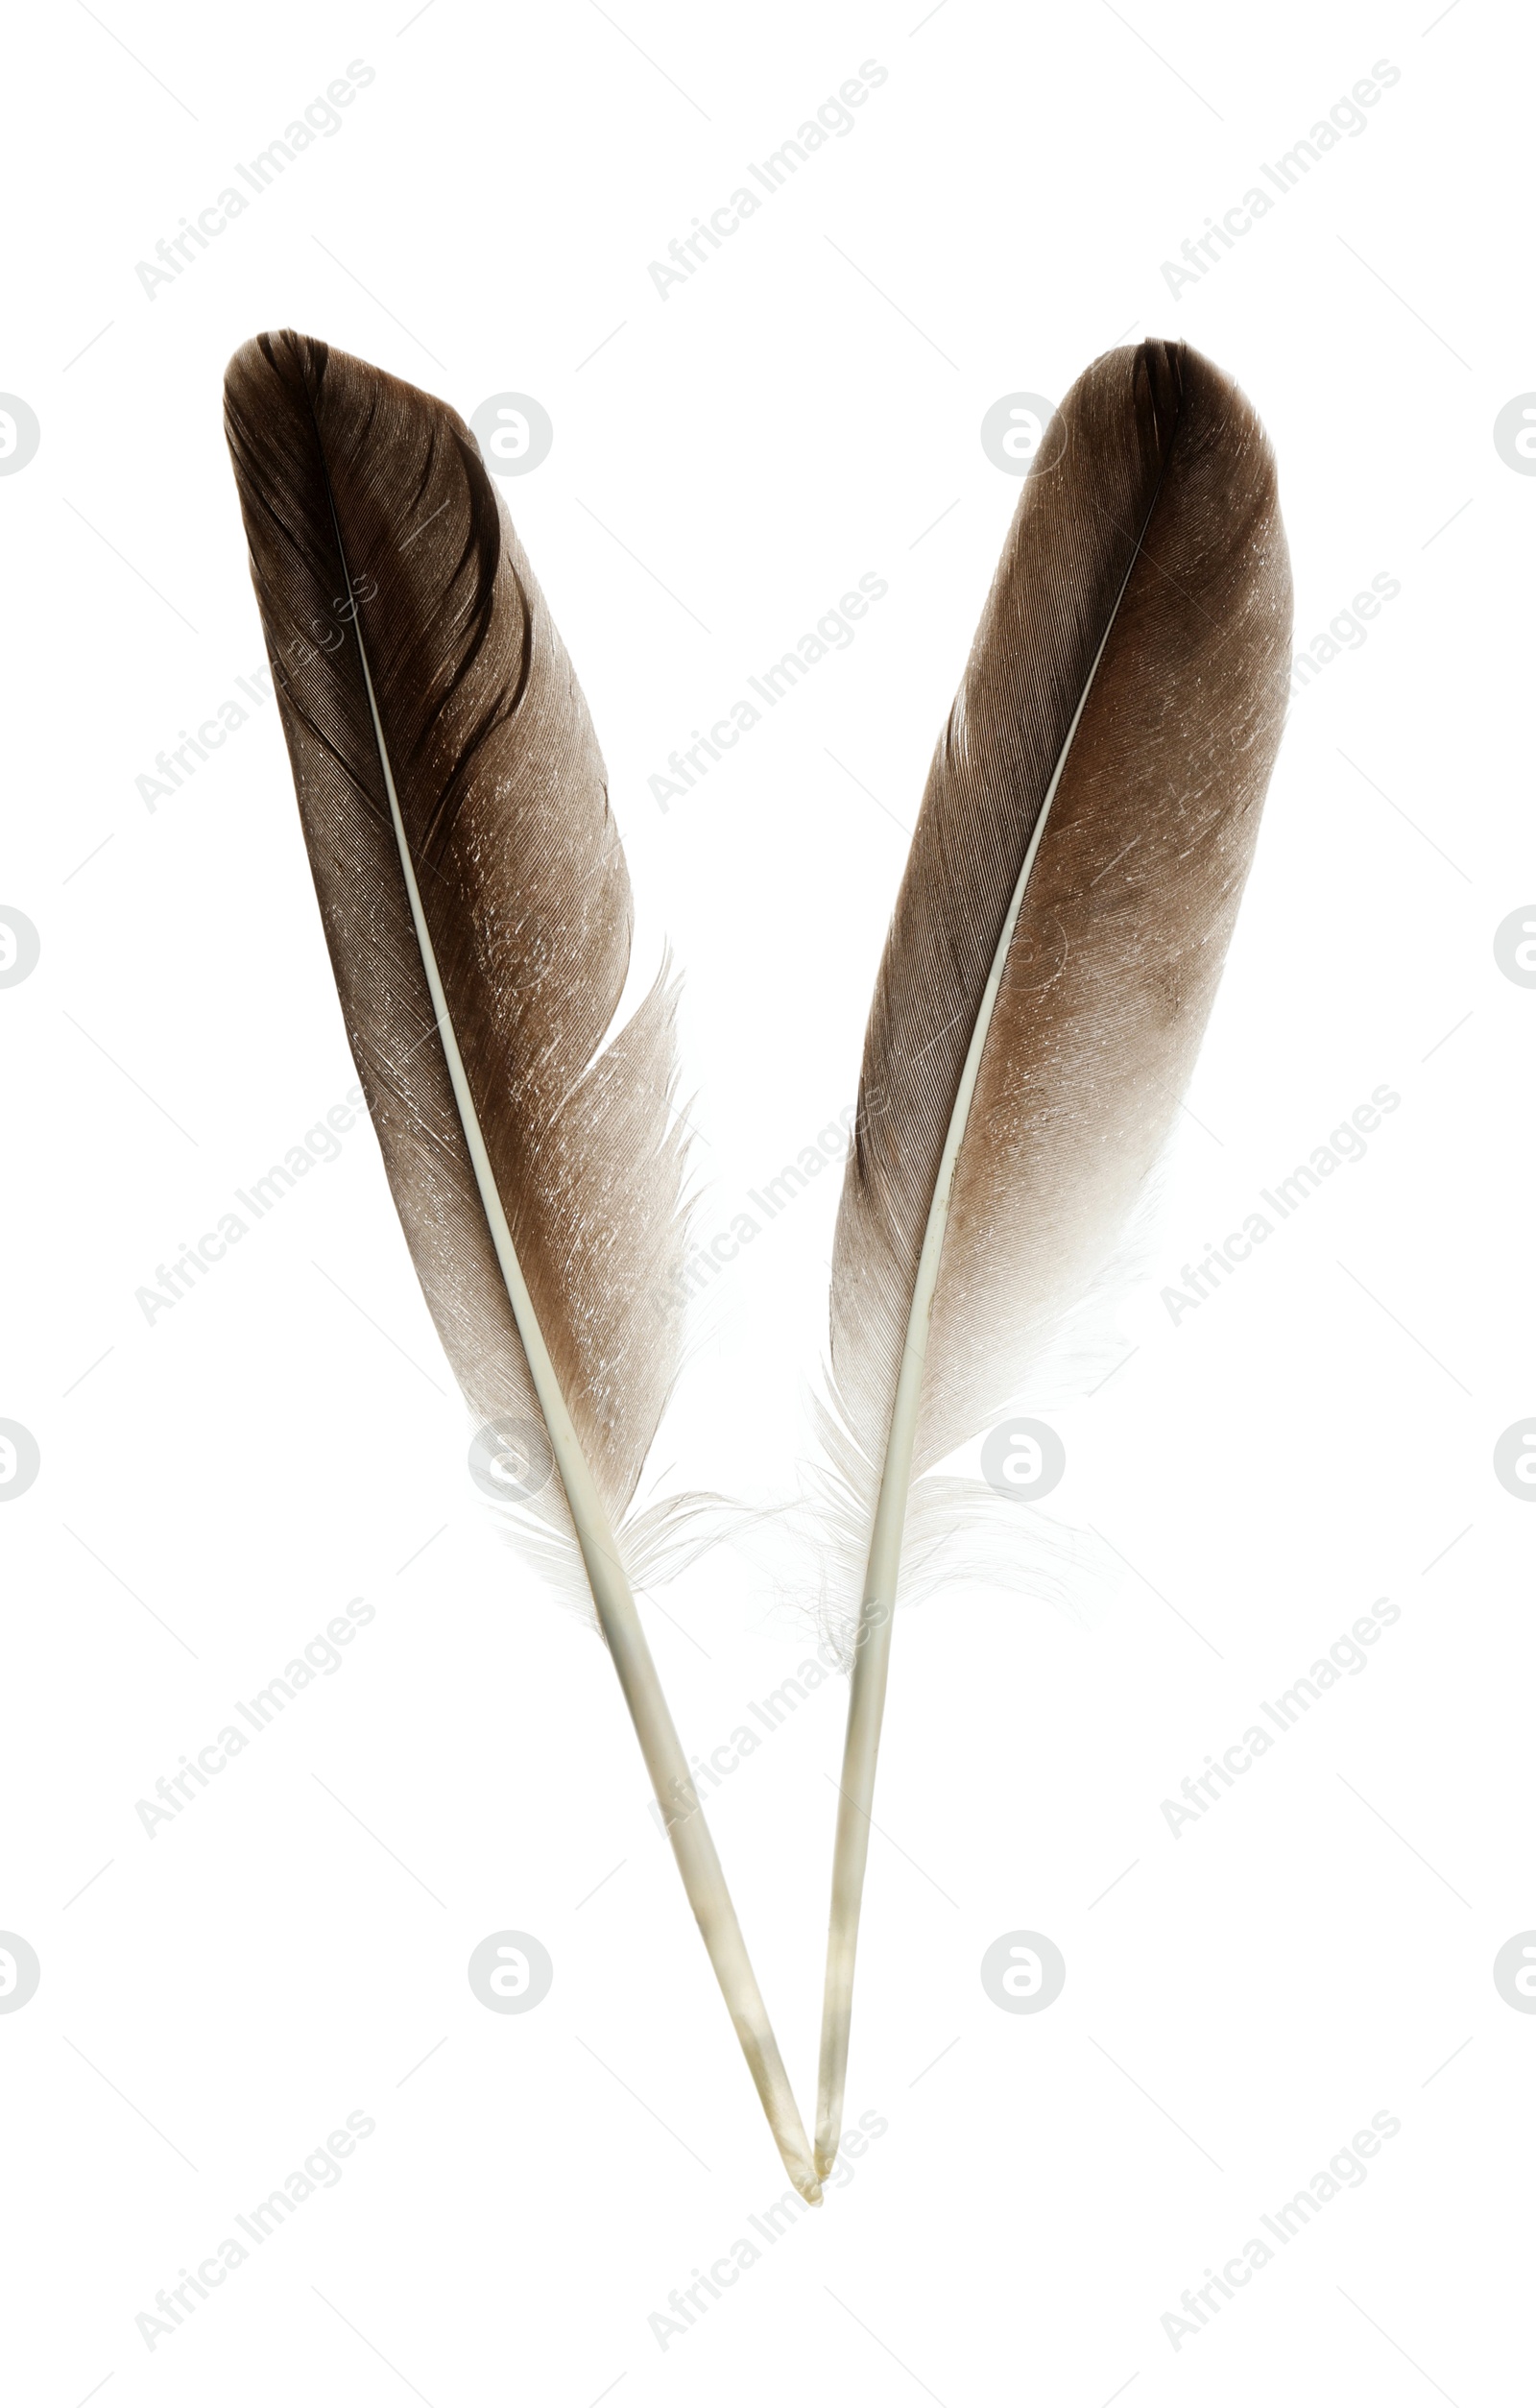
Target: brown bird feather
(478,913)
(365,498)
(1086,828)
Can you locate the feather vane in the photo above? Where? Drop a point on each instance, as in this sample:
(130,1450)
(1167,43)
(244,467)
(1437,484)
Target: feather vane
(478,914)
(1087,828)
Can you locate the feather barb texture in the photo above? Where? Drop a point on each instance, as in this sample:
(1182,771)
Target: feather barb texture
(1087,828)
(478,915)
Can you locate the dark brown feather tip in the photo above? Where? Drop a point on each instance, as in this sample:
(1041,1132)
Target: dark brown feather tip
(363,495)
(1151,513)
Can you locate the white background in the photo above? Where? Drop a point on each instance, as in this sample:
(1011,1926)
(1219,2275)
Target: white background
(215,1486)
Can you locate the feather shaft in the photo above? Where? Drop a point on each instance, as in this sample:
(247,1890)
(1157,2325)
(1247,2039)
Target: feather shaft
(477,912)
(871,1655)
(619,1618)
(1029,1039)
